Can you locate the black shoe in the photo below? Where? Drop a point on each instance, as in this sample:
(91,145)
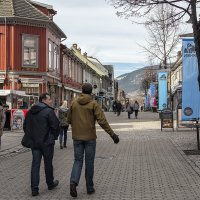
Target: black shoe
(55,184)
(73,191)
(91,191)
(65,146)
(61,147)
(35,193)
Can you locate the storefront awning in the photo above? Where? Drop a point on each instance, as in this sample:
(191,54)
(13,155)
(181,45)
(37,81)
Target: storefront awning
(72,89)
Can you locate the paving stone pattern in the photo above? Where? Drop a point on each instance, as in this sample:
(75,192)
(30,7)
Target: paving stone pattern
(147,164)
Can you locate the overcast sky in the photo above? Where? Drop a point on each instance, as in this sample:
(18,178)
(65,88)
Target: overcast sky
(96,29)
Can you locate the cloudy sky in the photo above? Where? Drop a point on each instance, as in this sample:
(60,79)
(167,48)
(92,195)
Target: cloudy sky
(94,26)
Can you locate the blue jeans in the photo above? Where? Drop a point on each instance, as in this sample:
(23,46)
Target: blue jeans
(47,153)
(89,148)
(63,132)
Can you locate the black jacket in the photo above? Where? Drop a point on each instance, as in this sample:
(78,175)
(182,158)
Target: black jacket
(41,126)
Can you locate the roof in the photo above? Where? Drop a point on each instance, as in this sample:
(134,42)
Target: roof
(23,10)
(96,62)
(47,6)
(187,35)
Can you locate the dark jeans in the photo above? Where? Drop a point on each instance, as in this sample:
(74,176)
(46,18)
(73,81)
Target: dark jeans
(129,115)
(89,148)
(136,113)
(63,132)
(47,153)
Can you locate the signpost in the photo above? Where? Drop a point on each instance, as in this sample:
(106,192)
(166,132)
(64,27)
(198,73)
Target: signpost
(167,121)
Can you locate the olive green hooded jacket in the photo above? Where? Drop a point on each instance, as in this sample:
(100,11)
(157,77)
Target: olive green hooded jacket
(83,115)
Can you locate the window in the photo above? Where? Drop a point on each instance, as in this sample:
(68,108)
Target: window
(50,55)
(54,57)
(70,68)
(30,51)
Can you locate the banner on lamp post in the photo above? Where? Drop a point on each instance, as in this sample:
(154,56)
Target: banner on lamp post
(162,90)
(190,88)
(153,95)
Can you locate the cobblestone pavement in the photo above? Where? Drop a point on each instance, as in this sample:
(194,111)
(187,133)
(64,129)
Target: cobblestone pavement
(147,164)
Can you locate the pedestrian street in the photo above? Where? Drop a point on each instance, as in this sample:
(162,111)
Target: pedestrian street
(146,164)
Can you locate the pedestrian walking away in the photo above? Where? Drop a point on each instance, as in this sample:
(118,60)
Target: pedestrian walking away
(136,108)
(129,109)
(118,108)
(82,115)
(2,120)
(62,116)
(41,127)
(114,106)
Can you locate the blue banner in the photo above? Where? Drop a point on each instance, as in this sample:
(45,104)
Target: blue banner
(162,90)
(152,89)
(190,88)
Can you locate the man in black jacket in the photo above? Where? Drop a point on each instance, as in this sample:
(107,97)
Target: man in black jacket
(42,127)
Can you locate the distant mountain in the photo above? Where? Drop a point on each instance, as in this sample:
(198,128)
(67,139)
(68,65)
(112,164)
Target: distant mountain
(122,68)
(131,82)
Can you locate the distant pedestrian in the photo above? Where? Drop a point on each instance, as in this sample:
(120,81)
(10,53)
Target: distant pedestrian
(82,115)
(136,108)
(118,108)
(62,116)
(2,120)
(41,126)
(114,106)
(129,109)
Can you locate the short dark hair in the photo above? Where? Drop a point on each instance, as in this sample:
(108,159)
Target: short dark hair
(87,88)
(43,96)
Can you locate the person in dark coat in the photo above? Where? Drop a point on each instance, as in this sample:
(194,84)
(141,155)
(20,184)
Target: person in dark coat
(42,128)
(118,107)
(136,108)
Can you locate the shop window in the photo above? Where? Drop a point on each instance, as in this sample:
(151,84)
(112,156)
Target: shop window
(29,51)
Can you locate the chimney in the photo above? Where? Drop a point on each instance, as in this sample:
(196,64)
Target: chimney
(79,49)
(85,54)
(75,46)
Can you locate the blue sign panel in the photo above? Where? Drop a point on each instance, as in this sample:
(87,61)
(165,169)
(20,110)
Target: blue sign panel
(162,90)
(190,88)
(152,89)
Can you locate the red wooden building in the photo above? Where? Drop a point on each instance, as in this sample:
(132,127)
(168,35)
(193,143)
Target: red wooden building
(29,51)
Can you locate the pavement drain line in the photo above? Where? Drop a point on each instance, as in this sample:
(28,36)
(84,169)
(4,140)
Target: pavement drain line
(104,157)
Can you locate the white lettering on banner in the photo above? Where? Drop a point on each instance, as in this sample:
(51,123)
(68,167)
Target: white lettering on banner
(30,85)
(4,92)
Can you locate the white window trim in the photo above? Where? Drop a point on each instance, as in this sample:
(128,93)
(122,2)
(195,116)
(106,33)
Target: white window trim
(37,50)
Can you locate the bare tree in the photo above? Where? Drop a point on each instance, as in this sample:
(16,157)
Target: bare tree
(162,34)
(149,76)
(141,8)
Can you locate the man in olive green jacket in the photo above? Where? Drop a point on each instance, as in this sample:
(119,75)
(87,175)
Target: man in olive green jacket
(82,116)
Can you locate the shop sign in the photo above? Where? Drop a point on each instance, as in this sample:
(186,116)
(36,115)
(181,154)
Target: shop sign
(4,92)
(17,119)
(32,85)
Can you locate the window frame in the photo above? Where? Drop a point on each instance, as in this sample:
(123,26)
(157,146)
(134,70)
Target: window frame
(36,47)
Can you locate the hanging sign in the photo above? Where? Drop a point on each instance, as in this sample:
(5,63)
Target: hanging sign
(162,90)
(190,88)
